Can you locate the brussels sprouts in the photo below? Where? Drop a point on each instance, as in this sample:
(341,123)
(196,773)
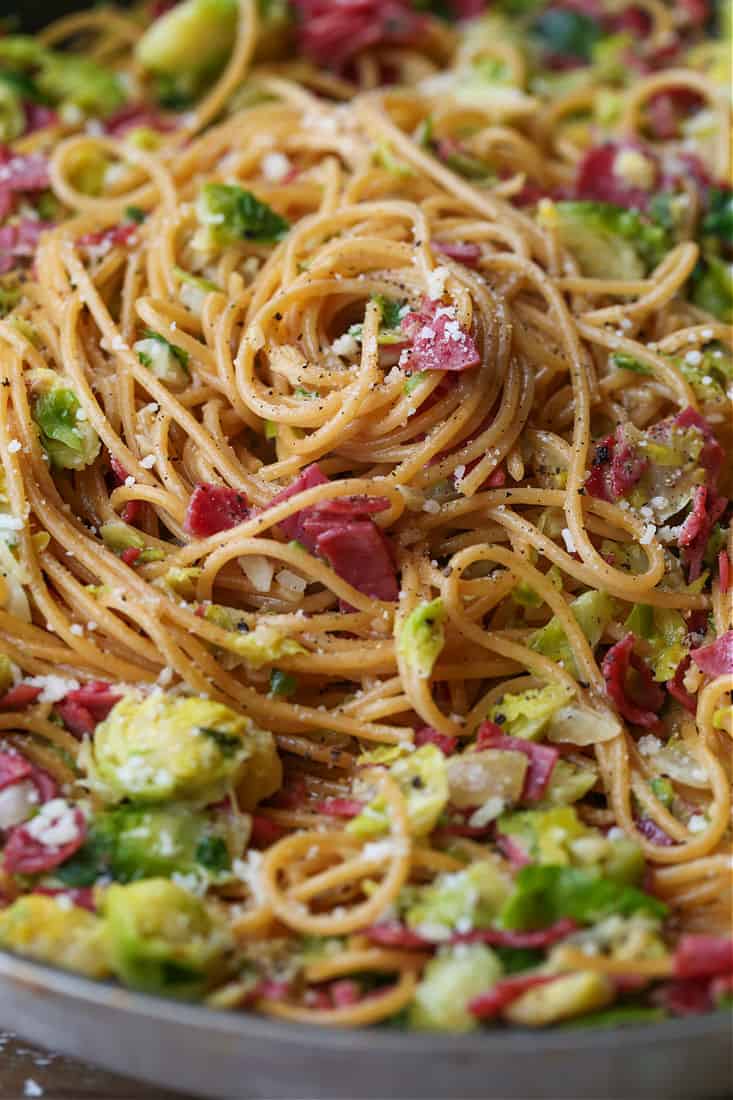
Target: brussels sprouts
(569,783)
(159,748)
(53,931)
(166,361)
(528,714)
(543,895)
(423,779)
(712,287)
(262,646)
(228,214)
(195,37)
(422,637)
(135,842)
(153,842)
(592,611)
(92,88)
(449,983)
(546,835)
(459,901)
(68,439)
(607,241)
(476,777)
(12,115)
(162,939)
(565,997)
(665,631)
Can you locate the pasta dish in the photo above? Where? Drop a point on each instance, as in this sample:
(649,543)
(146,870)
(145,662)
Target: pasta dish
(366,613)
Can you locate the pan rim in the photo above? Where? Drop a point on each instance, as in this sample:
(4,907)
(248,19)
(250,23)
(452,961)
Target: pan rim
(50,981)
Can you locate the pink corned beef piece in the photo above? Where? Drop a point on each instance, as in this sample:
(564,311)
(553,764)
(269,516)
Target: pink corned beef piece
(214,508)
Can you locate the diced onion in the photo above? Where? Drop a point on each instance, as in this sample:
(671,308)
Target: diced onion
(476,777)
(291,581)
(578,725)
(258,570)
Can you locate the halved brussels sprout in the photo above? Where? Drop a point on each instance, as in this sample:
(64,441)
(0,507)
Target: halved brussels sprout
(54,931)
(568,996)
(529,713)
(67,437)
(449,983)
(459,901)
(422,637)
(159,748)
(162,939)
(195,37)
(423,780)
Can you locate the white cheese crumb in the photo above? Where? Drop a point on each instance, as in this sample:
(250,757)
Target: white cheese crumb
(248,870)
(54,825)
(567,538)
(76,629)
(53,688)
(16,803)
(431,506)
(648,745)
(698,823)
(32,1088)
(647,534)
(14,446)
(129,481)
(345,345)
(148,462)
(275,167)
(436,283)
(634,168)
(694,358)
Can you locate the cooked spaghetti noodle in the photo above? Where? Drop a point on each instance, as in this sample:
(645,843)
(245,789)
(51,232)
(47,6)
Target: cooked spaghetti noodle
(365,615)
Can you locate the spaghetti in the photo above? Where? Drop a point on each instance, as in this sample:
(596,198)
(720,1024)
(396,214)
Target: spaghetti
(366,616)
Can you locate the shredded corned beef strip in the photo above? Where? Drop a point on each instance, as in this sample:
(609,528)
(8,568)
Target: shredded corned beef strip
(616,467)
(490,1004)
(265,832)
(542,758)
(712,454)
(19,242)
(18,697)
(630,685)
(701,956)
(25,855)
(83,709)
(437,342)
(707,508)
(114,236)
(677,689)
(465,252)
(331,32)
(512,851)
(342,531)
(597,181)
(38,117)
(134,116)
(396,934)
(715,659)
(14,768)
(19,174)
(667,110)
(339,807)
(685,997)
(428,736)
(81,896)
(214,508)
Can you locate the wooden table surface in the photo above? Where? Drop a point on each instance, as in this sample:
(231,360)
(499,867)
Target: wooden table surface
(26,1071)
